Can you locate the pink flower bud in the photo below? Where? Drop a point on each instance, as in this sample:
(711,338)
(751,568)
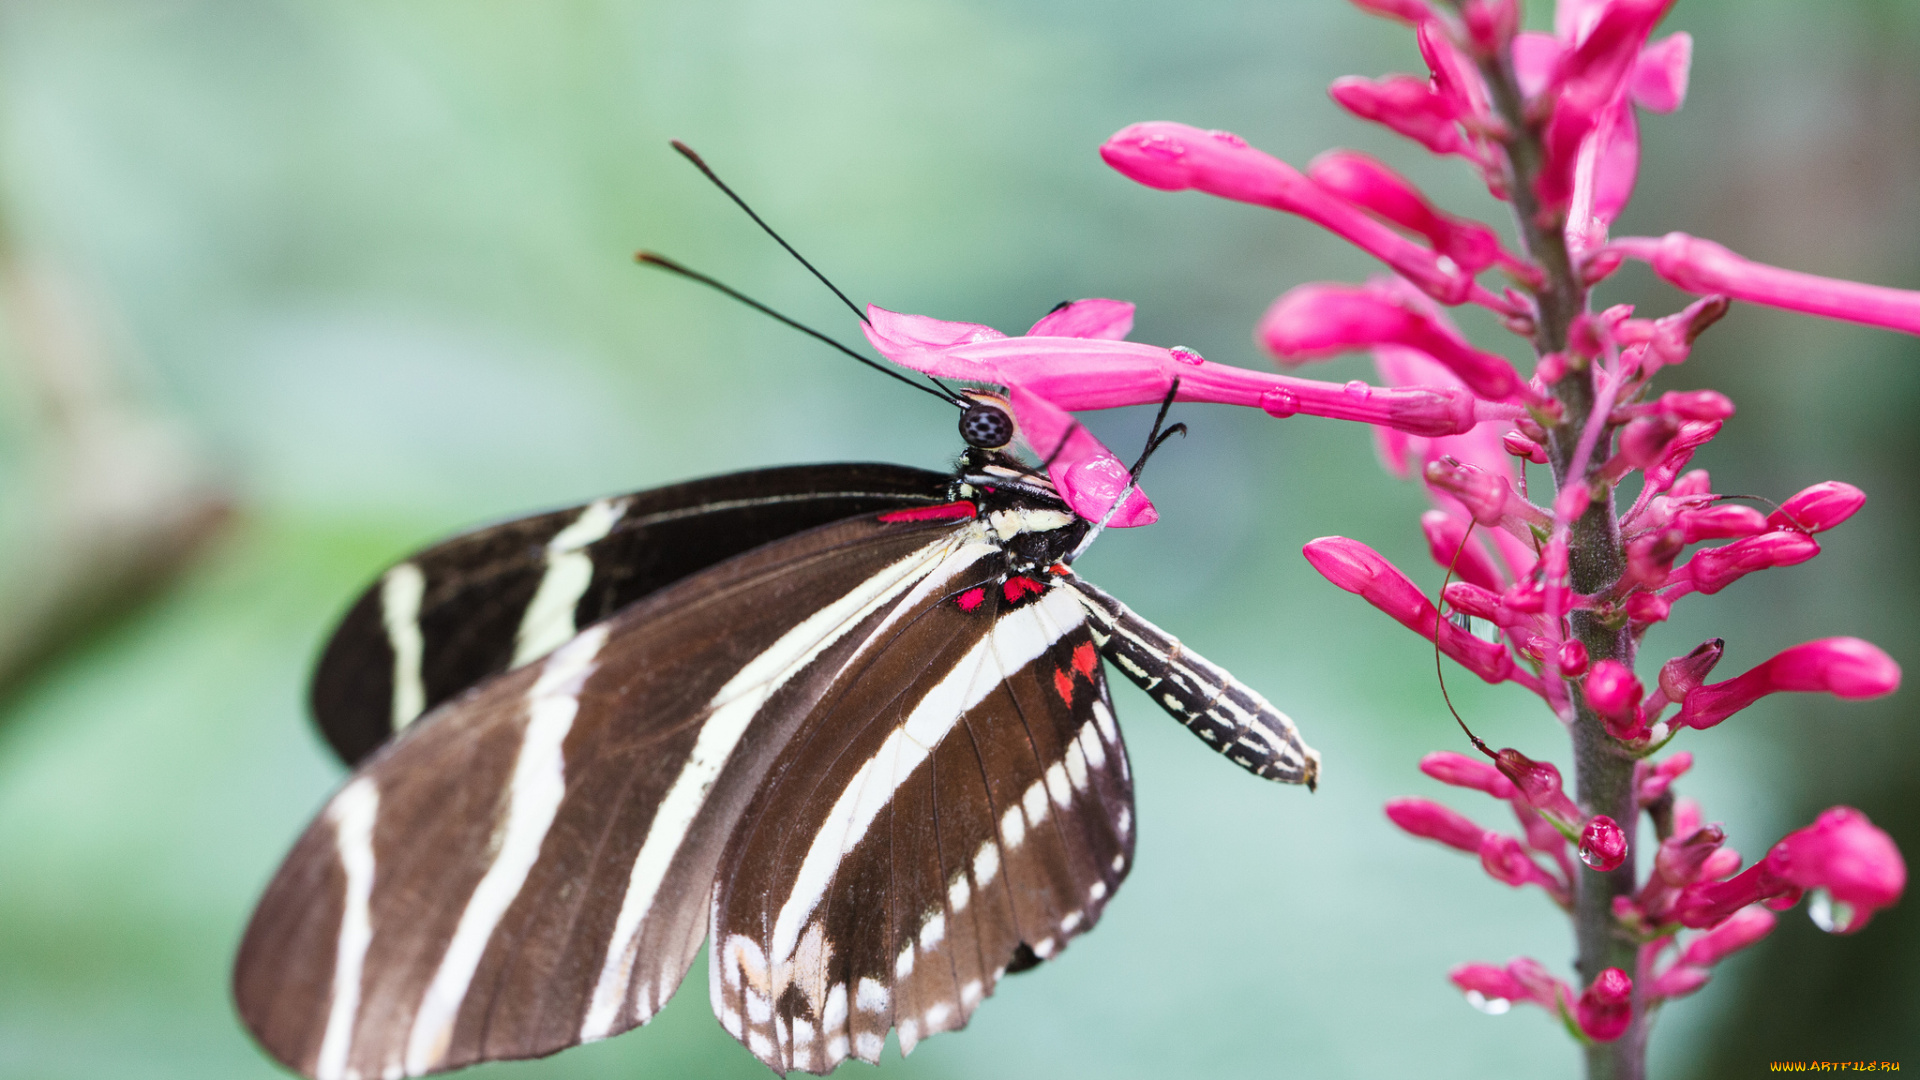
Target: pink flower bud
(1412,12)
(1720,865)
(1480,603)
(1842,666)
(1490,24)
(1648,608)
(1844,856)
(1650,557)
(1659,80)
(1678,981)
(1404,104)
(1722,522)
(1682,675)
(1174,157)
(1487,496)
(1367,183)
(1644,441)
(1551,368)
(1428,819)
(1539,786)
(1603,845)
(1652,780)
(1702,266)
(1713,569)
(1693,435)
(1504,860)
(1572,659)
(1614,692)
(1460,770)
(1522,447)
(1820,507)
(1695,404)
(1318,320)
(1679,861)
(1486,985)
(1606,1008)
(1359,569)
(1470,562)
(1741,931)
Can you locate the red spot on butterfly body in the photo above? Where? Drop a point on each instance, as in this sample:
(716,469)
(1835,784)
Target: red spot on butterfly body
(1017,587)
(1059,569)
(953,511)
(1063,685)
(1084,658)
(972,598)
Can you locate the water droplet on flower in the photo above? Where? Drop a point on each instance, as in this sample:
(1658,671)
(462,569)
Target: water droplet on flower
(1592,858)
(1358,389)
(1186,355)
(1163,147)
(1278,402)
(1833,916)
(1492,1006)
(1228,137)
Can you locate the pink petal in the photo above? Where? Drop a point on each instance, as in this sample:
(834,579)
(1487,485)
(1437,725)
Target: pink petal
(1535,56)
(1659,80)
(1430,820)
(1367,183)
(1460,770)
(1820,507)
(1843,853)
(1741,931)
(1087,475)
(1404,104)
(1111,320)
(1357,568)
(1318,320)
(1702,266)
(1845,667)
(1407,11)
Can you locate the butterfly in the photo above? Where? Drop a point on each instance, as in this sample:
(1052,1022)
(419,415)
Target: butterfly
(850,723)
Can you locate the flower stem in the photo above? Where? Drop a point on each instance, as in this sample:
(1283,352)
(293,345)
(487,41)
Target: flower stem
(1603,774)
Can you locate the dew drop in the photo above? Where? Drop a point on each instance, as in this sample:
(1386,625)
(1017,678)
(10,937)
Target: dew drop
(1162,147)
(1229,138)
(1358,389)
(1492,1006)
(1833,916)
(1278,402)
(1186,355)
(1593,859)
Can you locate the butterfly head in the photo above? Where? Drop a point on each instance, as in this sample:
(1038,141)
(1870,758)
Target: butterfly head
(987,423)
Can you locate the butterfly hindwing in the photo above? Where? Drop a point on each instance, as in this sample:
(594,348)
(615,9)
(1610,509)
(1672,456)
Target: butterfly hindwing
(529,866)
(959,807)
(489,600)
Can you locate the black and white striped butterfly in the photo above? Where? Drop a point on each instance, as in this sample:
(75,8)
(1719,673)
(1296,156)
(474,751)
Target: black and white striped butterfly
(849,722)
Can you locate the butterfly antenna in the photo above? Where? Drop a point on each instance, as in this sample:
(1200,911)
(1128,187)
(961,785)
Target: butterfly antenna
(1155,439)
(707,171)
(648,258)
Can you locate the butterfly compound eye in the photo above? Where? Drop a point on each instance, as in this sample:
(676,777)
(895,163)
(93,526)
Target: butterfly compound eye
(986,426)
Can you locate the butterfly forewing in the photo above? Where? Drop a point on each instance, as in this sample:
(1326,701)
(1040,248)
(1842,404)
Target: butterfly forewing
(492,599)
(530,865)
(958,805)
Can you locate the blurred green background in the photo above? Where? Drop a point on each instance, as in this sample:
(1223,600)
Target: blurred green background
(374,259)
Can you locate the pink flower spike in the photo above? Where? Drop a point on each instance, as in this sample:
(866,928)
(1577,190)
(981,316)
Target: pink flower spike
(1702,266)
(1460,770)
(1572,659)
(1406,105)
(1318,320)
(1615,693)
(1411,12)
(1845,667)
(1713,569)
(1659,80)
(1430,820)
(1843,856)
(1368,184)
(1820,507)
(1603,845)
(1446,541)
(1359,569)
(1606,1008)
(1175,157)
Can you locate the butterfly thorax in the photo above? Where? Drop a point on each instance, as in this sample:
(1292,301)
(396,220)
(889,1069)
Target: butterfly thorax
(1019,510)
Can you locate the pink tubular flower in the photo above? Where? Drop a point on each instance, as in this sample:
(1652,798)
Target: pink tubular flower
(1854,867)
(1447,542)
(1075,358)
(1842,666)
(1174,157)
(1606,1008)
(1493,989)
(1702,266)
(1380,191)
(1614,692)
(1460,770)
(1428,819)
(1357,568)
(1713,569)
(1540,787)
(1405,105)
(1319,320)
(1504,860)
(1692,970)
(1820,507)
